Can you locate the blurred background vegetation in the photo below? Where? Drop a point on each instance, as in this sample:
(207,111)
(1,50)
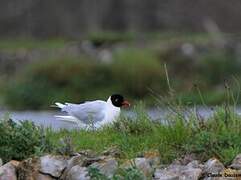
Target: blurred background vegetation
(82,50)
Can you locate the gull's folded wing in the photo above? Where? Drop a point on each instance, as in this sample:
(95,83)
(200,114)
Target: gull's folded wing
(88,112)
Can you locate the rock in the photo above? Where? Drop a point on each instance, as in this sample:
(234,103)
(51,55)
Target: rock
(144,166)
(8,171)
(28,169)
(191,171)
(191,174)
(236,164)
(186,174)
(195,164)
(141,163)
(52,165)
(15,163)
(113,152)
(75,160)
(153,158)
(88,153)
(91,160)
(77,173)
(230,174)
(213,166)
(226,174)
(145,163)
(42,177)
(163,174)
(107,166)
(185,159)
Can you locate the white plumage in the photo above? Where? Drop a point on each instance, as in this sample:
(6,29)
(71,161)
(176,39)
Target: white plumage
(95,113)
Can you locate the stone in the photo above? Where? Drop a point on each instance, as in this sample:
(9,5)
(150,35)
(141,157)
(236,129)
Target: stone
(236,164)
(77,173)
(163,174)
(141,163)
(191,171)
(113,152)
(153,158)
(144,166)
(90,160)
(186,159)
(75,160)
(231,174)
(52,165)
(29,169)
(40,176)
(226,174)
(195,164)
(213,166)
(15,163)
(8,171)
(107,167)
(190,174)
(88,153)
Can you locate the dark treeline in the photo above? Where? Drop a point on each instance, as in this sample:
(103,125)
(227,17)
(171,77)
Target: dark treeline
(74,18)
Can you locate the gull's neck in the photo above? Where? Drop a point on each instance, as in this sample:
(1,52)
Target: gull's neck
(112,112)
(109,101)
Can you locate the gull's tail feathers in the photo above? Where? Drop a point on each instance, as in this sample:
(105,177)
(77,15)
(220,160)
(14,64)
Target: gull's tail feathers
(71,119)
(67,119)
(60,105)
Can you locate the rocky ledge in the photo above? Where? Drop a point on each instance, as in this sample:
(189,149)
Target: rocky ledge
(86,165)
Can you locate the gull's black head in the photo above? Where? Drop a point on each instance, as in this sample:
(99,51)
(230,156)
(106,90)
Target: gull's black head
(119,101)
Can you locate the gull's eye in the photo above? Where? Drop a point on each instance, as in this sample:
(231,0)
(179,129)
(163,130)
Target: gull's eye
(116,100)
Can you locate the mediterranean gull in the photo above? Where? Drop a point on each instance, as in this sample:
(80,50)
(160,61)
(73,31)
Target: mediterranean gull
(95,113)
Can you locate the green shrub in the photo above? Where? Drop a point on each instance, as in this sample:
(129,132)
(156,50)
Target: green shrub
(222,145)
(95,174)
(29,94)
(10,44)
(20,141)
(109,38)
(75,80)
(134,72)
(43,83)
(138,71)
(219,138)
(217,67)
(140,124)
(131,173)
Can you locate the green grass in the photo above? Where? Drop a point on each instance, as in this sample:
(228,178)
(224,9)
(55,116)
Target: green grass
(22,140)
(98,38)
(109,38)
(28,44)
(217,136)
(168,38)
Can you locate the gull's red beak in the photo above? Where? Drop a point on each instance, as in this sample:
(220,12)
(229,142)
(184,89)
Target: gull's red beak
(126,104)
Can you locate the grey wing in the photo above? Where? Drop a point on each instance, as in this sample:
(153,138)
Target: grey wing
(88,112)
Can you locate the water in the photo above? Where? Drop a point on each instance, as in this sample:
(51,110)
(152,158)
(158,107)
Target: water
(47,119)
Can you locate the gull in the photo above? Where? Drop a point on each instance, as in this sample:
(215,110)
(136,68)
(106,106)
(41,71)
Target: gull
(95,113)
